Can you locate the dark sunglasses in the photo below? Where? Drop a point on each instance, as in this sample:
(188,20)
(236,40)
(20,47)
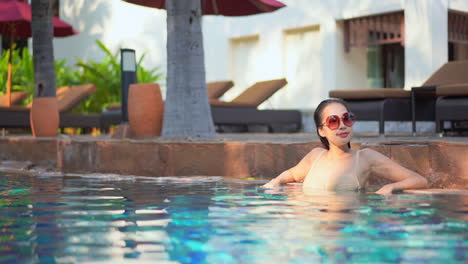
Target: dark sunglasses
(333,121)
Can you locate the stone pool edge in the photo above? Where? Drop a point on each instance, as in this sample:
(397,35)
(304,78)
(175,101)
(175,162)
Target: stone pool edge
(444,163)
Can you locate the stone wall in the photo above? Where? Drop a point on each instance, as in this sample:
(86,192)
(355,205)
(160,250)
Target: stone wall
(443,163)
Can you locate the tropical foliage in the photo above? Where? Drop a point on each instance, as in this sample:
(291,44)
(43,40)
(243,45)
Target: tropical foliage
(22,71)
(104,74)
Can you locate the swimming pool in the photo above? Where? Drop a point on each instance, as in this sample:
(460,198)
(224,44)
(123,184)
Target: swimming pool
(124,219)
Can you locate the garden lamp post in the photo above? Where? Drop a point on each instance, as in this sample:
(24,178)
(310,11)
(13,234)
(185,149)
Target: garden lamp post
(128,76)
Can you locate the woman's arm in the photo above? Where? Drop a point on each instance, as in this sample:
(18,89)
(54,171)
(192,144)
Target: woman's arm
(401,177)
(296,173)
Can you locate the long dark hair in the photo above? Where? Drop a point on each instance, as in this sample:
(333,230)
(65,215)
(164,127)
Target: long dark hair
(318,118)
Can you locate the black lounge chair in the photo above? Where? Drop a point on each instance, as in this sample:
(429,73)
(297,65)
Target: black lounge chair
(16,98)
(218,88)
(383,104)
(68,97)
(451,105)
(18,117)
(395,104)
(242,112)
(113,114)
(446,82)
(253,96)
(283,121)
(14,117)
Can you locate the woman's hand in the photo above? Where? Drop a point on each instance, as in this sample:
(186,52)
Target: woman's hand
(386,189)
(271,184)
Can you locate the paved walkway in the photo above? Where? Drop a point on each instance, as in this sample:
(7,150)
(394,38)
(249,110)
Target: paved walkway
(274,138)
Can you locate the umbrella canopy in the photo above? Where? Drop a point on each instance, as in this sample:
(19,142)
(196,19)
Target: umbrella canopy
(223,7)
(22,29)
(15,22)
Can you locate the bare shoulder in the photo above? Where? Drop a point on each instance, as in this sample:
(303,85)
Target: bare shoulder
(299,172)
(317,151)
(372,155)
(313,154)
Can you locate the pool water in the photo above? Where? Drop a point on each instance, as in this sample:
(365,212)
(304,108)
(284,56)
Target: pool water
(124,219)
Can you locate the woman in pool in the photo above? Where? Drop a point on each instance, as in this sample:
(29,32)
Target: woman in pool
(336,166)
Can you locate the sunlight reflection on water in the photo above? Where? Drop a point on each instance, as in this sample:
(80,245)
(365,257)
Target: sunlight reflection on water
(112,219)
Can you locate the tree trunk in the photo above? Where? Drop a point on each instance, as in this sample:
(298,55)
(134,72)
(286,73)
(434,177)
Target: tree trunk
(43,49)
(187,111)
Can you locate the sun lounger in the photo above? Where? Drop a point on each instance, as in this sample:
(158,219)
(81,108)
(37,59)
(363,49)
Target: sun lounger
(283,121)
(14,117)
(394,104)
(242,112)
(217,89)
(67,98)
(253,96)
(113,115)
(448,81)
(377,104)
(451,105)
(16,98)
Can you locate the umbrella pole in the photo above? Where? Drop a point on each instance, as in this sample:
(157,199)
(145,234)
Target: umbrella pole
(9,80)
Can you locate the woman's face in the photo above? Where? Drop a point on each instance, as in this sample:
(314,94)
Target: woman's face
(343,134)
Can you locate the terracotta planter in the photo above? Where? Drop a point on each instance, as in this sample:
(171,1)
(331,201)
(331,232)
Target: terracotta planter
(145,110)
(44,117)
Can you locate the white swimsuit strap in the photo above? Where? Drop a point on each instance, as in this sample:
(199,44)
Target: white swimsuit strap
(356,163)
(316,159)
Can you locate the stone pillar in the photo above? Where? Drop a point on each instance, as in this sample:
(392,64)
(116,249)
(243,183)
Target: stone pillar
(426,39)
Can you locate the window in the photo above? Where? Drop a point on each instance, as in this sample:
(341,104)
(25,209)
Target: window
(457,51)
(457,35)
(383,35)
(386,66)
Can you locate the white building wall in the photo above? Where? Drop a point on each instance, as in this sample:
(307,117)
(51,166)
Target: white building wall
(115,23)
(460,5)
(352,69)
(426,39)
(302,68)
(243,65)
(275,31)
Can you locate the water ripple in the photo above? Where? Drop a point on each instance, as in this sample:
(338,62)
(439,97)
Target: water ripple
(126,219)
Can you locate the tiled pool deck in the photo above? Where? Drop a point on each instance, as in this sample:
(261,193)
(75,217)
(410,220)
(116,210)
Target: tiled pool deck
(443,160)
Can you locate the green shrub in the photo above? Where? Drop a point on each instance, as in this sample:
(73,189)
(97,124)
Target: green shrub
(107,78)
(22,71)
(104,74)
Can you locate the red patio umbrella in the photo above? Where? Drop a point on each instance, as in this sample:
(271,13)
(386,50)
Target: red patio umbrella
(223,7)
(15,22)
